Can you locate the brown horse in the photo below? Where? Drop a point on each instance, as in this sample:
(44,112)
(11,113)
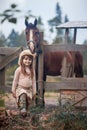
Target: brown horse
(53,61)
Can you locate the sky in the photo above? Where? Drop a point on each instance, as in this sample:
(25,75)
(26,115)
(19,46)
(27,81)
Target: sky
(75,9)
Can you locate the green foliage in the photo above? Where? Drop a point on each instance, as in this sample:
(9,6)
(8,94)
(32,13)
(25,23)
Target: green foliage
(11,69)
(57,118)
(66,18)
(85,42)
(13,6)
(12,20)
(16,40)
(2,40)
(40,24)
(68,120)
(2,102)
(57,40)
(36,110)
(56,20)
(8,14)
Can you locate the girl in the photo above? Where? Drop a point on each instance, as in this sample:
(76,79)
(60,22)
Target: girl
(24,85)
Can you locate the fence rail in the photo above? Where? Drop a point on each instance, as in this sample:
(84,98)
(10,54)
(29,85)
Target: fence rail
(73,84)
(64,47)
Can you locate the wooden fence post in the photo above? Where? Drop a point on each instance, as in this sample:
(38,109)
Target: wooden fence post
(40,76)
(2,77)
(64,62)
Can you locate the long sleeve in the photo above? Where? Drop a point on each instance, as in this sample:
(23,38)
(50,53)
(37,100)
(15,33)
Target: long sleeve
(15,80)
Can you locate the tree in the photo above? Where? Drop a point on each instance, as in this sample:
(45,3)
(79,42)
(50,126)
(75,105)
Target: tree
(40,24)
(15,39)
(66,19)
(85,42)
(55,22)
(70,39)
(10,14)
(21,40)
(2,40)
(12,39)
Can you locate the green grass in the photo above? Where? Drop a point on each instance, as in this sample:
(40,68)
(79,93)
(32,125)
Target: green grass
(2,103)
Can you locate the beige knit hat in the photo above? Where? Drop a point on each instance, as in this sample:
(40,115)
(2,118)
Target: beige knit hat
(24,52)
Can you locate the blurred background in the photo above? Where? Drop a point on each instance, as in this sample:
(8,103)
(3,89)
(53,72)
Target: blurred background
(49,13)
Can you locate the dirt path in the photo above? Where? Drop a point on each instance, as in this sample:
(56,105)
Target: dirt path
(50,100)
(10,102)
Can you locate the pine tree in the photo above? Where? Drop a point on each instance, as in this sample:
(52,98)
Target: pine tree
(15,39)
(40,24)
(57,20)
(2,40)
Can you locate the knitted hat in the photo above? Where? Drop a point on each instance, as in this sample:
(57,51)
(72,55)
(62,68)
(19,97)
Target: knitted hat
(23,53)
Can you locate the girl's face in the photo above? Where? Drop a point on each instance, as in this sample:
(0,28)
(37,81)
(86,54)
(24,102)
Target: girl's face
(27,61)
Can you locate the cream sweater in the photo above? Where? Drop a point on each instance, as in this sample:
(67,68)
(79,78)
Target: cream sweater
(23,81)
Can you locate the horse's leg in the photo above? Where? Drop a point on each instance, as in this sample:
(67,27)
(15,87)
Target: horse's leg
(79,71)
(78,68)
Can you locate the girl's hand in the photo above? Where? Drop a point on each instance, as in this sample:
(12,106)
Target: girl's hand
(14,95)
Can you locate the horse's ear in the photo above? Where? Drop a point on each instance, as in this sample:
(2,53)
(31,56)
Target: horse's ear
(35,22)
(26,22)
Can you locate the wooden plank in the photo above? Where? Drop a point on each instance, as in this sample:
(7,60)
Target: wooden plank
(7,50)
(65,47)
(5,89)
(55,86)
(10,58)
(73,24)
(64,79)
(2,76)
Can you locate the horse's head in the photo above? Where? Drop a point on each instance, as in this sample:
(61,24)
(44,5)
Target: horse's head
(32,35)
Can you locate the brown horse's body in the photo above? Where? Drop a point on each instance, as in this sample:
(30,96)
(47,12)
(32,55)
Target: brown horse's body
(53,63)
